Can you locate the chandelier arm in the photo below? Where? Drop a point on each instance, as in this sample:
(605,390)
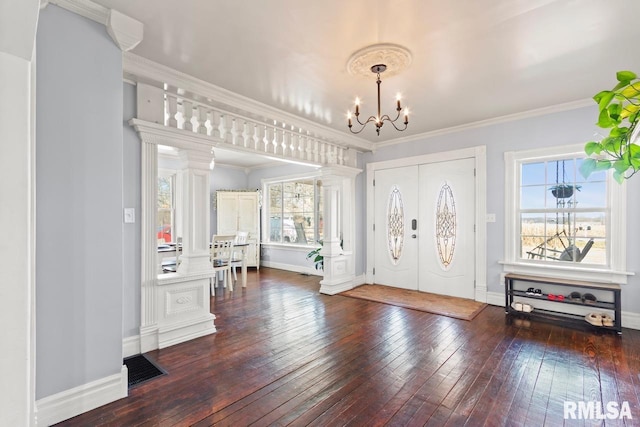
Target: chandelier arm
(356,131)
(397,128)
(370,119)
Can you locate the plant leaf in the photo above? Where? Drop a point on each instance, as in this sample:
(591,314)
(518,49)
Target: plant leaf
(605,99)
(603,165)
(625,76)
(604,121)
(621,165)
(587,166)
(619,177)
(592,147)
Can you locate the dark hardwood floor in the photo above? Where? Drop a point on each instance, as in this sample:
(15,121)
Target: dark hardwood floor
(286,355)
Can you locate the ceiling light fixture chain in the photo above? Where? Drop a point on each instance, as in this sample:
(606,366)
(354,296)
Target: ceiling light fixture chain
(379,119)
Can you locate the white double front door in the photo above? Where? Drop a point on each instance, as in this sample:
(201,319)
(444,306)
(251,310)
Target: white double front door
(424,227)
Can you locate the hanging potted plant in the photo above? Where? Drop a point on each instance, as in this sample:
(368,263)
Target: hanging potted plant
(619,111)
(564,191)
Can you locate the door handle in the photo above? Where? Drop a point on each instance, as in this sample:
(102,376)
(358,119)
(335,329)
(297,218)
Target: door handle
(414,236)
(414,224)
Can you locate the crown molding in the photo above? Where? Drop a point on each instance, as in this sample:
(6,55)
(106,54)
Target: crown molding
(85,8)
(125,31)
(489,122)
(138,68)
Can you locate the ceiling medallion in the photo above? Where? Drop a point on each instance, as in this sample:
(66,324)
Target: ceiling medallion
(395,57)
(377,59)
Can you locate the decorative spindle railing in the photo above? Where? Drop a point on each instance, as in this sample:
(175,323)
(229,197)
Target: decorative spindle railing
(235,130)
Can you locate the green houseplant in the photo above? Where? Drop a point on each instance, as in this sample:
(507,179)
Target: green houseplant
(618,111)
(317,258)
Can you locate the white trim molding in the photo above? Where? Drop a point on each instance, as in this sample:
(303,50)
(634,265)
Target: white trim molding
(490,122)
(479,153)
(125,31)
(291,267)
(131,346)
(69,403)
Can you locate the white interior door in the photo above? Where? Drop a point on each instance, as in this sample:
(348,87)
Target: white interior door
(396,243)
(447,241)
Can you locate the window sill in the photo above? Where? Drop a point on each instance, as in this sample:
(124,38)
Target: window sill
(289,247)
(567,272)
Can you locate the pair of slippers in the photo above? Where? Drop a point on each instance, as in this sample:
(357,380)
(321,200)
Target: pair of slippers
(586,298)
(522,306)
(599,319)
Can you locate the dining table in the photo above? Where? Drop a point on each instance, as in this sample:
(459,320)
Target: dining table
(168,257)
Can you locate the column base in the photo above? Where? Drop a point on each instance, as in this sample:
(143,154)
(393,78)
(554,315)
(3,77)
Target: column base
(336,285)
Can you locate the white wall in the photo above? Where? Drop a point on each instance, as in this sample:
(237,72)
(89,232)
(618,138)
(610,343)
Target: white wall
(79,229)
(565,128)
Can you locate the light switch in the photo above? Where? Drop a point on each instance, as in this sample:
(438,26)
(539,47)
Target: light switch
(491,217)
(129,215)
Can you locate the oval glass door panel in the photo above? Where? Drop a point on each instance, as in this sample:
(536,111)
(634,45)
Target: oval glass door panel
(445,226)
(395,225)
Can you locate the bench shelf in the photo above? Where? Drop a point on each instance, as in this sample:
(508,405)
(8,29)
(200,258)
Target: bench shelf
(512,291)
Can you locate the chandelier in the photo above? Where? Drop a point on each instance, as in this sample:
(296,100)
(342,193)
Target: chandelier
(378,119)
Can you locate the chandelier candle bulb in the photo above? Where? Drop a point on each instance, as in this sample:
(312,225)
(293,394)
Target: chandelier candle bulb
(398,101)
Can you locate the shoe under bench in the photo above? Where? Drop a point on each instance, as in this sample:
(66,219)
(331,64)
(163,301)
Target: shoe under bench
(512,285)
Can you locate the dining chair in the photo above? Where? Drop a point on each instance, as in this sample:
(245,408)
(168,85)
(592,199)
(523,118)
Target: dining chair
(236,261)
(221,253)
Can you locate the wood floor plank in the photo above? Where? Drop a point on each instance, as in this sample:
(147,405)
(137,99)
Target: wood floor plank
(286,355)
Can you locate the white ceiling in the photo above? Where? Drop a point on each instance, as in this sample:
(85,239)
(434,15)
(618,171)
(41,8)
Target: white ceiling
(472,60)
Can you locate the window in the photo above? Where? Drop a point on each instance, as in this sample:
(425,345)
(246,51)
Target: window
(294,211)
(562,216)
(559,221)
(165,215)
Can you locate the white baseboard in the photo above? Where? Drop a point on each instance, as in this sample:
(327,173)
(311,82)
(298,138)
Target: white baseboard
(495,298)
(291,267)
(131,346)
(69,403)
(359,280)
(629,320)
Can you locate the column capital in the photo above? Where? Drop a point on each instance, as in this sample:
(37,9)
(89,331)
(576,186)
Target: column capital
(196,160)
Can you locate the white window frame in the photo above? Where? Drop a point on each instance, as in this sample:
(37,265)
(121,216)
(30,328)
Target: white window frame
(171,174)
(616,223)
(266,212)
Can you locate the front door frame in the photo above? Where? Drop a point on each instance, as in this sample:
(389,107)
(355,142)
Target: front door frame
(479,154)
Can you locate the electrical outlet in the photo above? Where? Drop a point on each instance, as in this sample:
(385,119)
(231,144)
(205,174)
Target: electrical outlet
(491,217)
(129,215)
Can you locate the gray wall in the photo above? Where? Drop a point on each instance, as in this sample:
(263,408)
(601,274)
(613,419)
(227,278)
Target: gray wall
(131,198)
(79,230)
(565,128)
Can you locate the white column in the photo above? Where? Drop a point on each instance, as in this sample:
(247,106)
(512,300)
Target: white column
(17,162)
(193,183)
(149,245)
(176,306)
(338,184)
